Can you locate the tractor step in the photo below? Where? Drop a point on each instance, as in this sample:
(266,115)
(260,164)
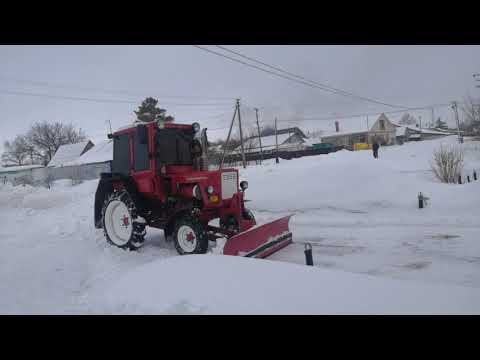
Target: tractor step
(260,241)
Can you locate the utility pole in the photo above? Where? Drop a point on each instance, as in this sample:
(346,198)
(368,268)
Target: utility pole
(241,134)
(454,107)
(433,119)
(228,137)
(259,137)
(110,126)
(367,124)
(276,142)
(420,117)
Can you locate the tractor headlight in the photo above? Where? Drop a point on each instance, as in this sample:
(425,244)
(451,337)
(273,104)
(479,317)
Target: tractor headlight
(197,193)
(244,185)
(209,190)
(196,127)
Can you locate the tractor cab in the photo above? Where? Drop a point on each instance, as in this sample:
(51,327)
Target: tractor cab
(149,147)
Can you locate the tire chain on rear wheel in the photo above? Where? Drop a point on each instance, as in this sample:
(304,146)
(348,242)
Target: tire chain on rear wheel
(139,229)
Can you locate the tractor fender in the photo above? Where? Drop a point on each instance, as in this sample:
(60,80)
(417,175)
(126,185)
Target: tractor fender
(104,189)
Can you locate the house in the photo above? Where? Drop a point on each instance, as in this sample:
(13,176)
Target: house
(288,140)
(383,131)
(292,131)
(99,154)
(408,133)
(354,132)
(66,153)
(357,131)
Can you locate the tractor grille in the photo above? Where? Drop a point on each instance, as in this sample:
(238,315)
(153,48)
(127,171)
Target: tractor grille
(229,184)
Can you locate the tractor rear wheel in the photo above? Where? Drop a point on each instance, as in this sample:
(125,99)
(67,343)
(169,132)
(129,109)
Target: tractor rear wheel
(189,236)
(122,225)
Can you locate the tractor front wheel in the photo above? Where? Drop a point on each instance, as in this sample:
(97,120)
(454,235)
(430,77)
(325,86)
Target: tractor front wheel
(189,236)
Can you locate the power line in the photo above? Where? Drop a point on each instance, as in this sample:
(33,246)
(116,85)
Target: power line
(319,118)
(22,93)
(296,77)
(217,116)
(111,91)
(336,90)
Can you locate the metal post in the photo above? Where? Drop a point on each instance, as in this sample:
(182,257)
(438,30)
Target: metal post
(241,134)
(474,175)
(454,107)
(468,178)
(259,137)
(420,200)
(308,255)
(276,142)
(228,138)
(460,179)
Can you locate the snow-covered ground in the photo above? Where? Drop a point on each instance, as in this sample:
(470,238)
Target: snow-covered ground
(374,250)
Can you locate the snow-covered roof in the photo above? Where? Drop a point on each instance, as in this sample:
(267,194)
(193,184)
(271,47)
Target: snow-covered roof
(346,125)
(66,153)
(341,133)
(428,131)
(401,130)
(18,168)
(268,142)
(101,152)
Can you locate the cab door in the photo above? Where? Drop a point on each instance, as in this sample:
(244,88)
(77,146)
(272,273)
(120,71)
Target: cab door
(142,170)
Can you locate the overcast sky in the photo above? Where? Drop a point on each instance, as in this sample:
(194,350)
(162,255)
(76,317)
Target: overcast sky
(194,85)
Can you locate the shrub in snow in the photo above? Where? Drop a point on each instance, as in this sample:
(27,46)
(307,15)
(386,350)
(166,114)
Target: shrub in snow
(447,163)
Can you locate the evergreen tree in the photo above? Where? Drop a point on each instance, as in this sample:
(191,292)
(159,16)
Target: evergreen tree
(149,111)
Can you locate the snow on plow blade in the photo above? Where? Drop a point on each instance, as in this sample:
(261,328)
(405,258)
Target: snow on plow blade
(260,241)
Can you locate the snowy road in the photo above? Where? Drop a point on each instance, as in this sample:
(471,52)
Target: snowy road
(53,261)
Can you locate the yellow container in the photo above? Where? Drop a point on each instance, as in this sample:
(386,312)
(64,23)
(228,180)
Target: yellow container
(362,146)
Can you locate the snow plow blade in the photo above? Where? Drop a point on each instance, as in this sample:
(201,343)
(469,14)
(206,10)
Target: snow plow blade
(260,241)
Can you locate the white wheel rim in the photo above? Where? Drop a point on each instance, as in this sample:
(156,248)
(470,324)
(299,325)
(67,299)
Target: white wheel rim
(187,239)
(118,223)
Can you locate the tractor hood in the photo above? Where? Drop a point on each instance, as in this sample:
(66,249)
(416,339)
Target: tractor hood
(224,182)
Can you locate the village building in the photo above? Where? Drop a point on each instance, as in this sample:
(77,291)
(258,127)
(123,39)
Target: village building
(66,153)
(289,139)
(382,131)
(409,133)
(353,133)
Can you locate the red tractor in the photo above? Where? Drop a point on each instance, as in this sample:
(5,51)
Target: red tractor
(160,178)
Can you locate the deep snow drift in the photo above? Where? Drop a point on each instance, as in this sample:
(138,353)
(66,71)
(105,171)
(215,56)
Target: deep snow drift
(239,285)
(360,215)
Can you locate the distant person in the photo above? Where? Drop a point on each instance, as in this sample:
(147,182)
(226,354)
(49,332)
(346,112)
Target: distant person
(375,147)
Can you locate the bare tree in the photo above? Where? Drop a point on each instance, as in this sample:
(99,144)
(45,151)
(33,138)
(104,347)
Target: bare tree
(407,119)
(45,138)
(471,113)
(16,152)
(447,163)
